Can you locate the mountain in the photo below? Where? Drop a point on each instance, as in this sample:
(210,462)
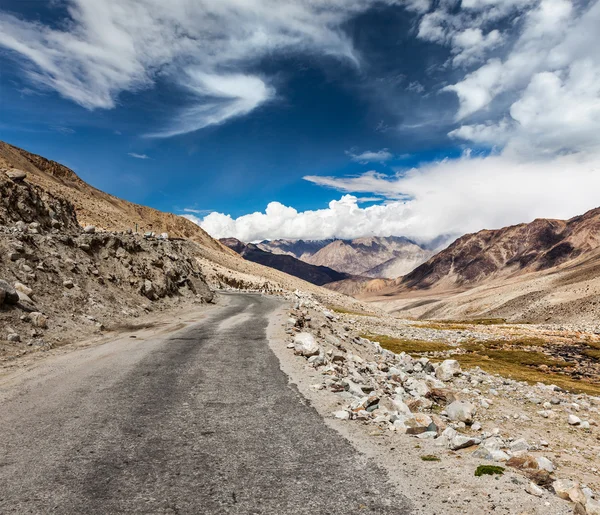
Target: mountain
(220,266)
(94,207)
(318,275)
(543,271)
(539,245)
(371,256)
(300,249)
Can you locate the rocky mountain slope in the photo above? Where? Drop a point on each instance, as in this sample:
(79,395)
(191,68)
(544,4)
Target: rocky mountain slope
(539,245)
(387,257)
(318,275)
(544,271)
(59,281)
(96,207)
(300,249)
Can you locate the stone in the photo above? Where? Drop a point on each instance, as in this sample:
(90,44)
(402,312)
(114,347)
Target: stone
(342,415)
(534,489)
(20,287)
(461,411)
(545,464)
(569,490)
(584,424)
(447,370)
(305,345)
(419,423)
(519,445)
(574,420)
(148,290)
(453,440)
(9,293)
(592,507)
(39,320)
(13,337)
(476,426)
(89,229)
(16,175)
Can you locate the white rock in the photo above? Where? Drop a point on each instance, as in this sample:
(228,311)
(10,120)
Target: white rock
(574,420)
(592,507)
(448,369)
(342,415)
(461,411)
(519,445)
(24,289)
(89,229)
(476,426)
(584,425)
(534,489)
(305,345)
(569,490)
(545,464)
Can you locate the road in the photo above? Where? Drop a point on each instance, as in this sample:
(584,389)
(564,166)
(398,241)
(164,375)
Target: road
(197,421)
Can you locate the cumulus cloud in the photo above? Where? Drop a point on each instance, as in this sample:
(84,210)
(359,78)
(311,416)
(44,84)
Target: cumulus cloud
(208,48)
(369,156)
(451,197)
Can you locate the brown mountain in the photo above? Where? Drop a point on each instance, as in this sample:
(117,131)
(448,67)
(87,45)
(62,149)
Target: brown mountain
(369,257)
(318,275)
(95,207)
(546,270)
(539,245)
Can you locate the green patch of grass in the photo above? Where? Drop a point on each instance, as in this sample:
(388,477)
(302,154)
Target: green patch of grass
(430,457)
(489,470)
(413,347)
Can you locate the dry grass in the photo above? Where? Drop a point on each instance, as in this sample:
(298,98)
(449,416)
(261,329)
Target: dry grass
(509,358)
(449,325)
(399,345)
(344,311)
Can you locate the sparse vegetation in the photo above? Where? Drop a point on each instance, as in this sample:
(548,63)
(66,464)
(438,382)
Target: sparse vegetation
(413,347)
(344,311)
(449,325)
(430,457)
(489,470)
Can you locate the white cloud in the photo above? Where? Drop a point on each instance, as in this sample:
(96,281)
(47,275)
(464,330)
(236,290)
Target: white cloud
(369,156)
(448,197)
(138,156)
(206,47)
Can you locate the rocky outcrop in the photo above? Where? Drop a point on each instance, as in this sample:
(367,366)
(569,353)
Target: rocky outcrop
(56,277)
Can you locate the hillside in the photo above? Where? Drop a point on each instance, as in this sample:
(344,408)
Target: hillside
(543,271)
(318,275)
(95,207)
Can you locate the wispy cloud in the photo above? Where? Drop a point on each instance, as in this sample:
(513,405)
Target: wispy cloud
(369,156)
(138,156)
(207,48)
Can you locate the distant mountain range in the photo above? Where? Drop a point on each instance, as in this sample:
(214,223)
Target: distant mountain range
(289,264)
(387,257)
(543,270)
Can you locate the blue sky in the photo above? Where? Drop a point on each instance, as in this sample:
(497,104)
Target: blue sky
(209,107)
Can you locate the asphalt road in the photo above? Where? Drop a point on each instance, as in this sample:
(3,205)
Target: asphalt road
(199,421)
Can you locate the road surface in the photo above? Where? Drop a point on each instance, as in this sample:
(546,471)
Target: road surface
(198,421)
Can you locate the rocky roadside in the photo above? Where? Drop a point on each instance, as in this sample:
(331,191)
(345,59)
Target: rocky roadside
(541,441)
(60,282)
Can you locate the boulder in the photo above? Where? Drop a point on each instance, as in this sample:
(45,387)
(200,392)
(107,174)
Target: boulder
(342,415)
(534,489)
(89,229)
(569,490)
(461,411)
(39,320)
(448,369)
(16,175)
(519,445)
(9,293)
(68,284)
(305,345)
(20,287)
(13,337)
